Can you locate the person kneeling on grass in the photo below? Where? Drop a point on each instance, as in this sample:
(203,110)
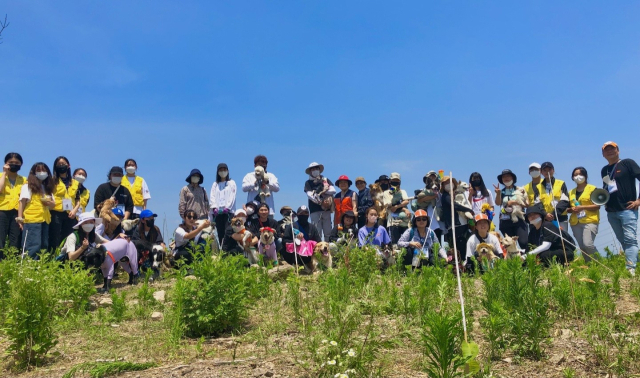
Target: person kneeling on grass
(545,236)
(375,235)
(486,253)
(418,241)
(83,238)
(186,233)
(345,232)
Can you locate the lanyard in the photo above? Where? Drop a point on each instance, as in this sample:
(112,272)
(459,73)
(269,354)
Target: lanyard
(613,171)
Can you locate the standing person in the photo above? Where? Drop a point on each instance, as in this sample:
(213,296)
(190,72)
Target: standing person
(545,237)
(63,215)
(478,193)
(10,186)
(137,187)
(533,188)
(193,197)
(34,216)
(396,200)
(505,197)
(223,199)
(320,191)
(554,196)
(364,200)
(383,182)
(619,178)
(250,183)
(448,185)
(113,189)
(345,200)
(419,241)
(83,195)
(585,215)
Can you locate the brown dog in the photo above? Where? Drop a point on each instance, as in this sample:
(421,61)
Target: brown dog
(486,251)
(510,243)
(321,253)
(376,195)
(110,220)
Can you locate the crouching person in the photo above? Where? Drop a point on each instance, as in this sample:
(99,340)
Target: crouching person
(187,233)
(83,238)
(300,238)
(482,245)
(547,239)
(375,235)
(418,241)
(108,255)
(345,233)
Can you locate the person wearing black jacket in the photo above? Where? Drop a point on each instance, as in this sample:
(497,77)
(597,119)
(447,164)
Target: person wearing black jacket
(462,230)
(263,220)
(364,200)
(346,229)
(619,179)
(112,188)
(303,229)
(545,236)
(554,199)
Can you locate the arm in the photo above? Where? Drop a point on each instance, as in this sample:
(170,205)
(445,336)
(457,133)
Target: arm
(362,236)
(274,186)
(70,246)
(332,189)
(212,195)
(191,235)
(231,202)
(471,247)
(334,234)
(182,204)
(354,203)
(249,182)
(543,247)
(21,206)
(3,175)
(404,239)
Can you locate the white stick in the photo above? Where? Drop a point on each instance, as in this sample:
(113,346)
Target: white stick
(455,254)
(24,245)
(293,236)
(576,247)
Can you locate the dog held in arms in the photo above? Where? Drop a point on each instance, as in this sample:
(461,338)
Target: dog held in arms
(267,244)
(462,199)
(110,220)
(237,224)
(262,182)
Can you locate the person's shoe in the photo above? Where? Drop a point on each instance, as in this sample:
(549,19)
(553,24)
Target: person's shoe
(632,271)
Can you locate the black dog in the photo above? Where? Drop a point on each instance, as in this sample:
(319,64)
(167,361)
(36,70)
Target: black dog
(150,257)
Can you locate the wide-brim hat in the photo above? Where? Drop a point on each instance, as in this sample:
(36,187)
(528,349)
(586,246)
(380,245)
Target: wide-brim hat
(85,217)
(536,209)
(382,177)
(313,165)
(507,172)
(343,178)
(285,208)
(195,172)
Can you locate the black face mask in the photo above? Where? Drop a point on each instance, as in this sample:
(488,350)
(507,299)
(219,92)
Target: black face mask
(476,183)
(150,222)
(384,186)
(303,219)
(14,167)
(60,169)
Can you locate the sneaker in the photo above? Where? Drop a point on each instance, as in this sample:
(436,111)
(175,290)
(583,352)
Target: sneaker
(632,271)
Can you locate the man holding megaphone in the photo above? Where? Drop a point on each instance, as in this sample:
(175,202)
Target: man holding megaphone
(619,179)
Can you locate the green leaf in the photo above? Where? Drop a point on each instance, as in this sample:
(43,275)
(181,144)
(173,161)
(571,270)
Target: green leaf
(472,367)
(470,349)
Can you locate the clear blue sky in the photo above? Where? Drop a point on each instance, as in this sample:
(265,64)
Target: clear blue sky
(363,87)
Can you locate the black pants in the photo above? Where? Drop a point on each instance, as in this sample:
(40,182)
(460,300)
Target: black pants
(290,258)
(519,229)
(462,235)
(547,257)
(395,232)
(59,228)
(9,227)
(222,220)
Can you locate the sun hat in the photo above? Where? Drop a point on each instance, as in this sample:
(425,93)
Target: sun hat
(85,217)
(313,165)
(285,208)
(195,172)
(507,172)
(345,178)
(536,209)
(382,178)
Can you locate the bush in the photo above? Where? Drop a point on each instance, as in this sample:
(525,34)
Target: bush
(218,300)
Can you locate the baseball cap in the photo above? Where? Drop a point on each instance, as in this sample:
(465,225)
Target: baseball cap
(609,143)
(302,210)
(534,165)
(547,164)
(118,212)
(147,214)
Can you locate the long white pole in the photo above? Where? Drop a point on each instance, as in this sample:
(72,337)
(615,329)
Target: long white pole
(455,254)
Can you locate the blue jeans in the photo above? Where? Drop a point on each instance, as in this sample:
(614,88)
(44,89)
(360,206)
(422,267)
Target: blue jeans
(37,235)
(625,224)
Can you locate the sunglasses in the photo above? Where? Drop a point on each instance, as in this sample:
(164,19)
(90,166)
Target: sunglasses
(421,219)
(190,217)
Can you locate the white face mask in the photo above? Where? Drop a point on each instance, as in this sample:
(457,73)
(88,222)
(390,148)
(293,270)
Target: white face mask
(195,179)
(508,183)
(315,173)
(447,187)
(534,174)
(80,179)
(579,179)
(116,180)
(42,175)
(131,170)
(249,210)
(223,174)
(536,221)
(372,218)
(87,227)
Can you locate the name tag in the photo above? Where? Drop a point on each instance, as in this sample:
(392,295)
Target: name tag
(505,216)
(612,187)
(582,214)
(121,207)
(67,205)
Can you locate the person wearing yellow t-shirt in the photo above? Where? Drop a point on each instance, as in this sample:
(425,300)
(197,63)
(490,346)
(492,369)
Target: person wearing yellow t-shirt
(36,201)
(63,215)
(585,215)
(10,185)
(83,195)
(137,187)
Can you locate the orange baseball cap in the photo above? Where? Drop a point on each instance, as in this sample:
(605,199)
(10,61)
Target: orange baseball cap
(609,143)
(480,217)
(420,213)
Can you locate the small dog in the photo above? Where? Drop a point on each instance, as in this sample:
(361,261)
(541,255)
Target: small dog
(430,189)
(109,219)
(510,243)
(107,256)
(267,244)
(462,199)
(485,250)
(321,253)
(377,196)
(129,224)
(518,210)
(245,243)
(262,181)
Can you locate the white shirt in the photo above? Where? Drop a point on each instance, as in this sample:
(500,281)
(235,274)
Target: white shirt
(180,240)
(491,239)
(70,243)
(25,193)
(145,193)
(223,195)
(249,186)
(478,200)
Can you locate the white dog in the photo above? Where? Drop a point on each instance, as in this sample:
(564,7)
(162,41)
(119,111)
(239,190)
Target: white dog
(461,198)
(262,182)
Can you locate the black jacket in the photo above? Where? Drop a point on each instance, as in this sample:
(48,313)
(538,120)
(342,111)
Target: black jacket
(123,196)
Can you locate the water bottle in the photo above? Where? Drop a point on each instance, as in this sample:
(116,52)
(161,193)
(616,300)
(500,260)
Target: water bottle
(416,258)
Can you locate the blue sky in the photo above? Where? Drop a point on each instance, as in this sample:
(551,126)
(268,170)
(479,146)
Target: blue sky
(365,88)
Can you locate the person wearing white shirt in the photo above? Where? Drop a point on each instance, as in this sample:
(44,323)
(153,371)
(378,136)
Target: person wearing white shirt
(137,187)
(250,185)
(481,235)
(223,199)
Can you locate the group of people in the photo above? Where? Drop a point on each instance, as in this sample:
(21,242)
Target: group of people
(48,210)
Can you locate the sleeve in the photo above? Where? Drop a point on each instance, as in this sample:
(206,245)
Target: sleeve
(404,239)
(634,168)
(314,234)
(362,236)
(99,197)
(385,235)
(99,238)
(471,247)
(182,204)
(254,228)
(334,234)
(548,236)
(288,235)
(274,186)
(145,190)
(231,200)
(25,193)
(311,194)
(70,244)
(159,238)
(212,196)
(543,247)
(179,236)
(332,189)
(136,233)
(491,200)
(249,182)
(128,205)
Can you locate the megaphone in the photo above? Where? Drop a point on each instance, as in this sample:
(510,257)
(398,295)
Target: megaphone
(599,197)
